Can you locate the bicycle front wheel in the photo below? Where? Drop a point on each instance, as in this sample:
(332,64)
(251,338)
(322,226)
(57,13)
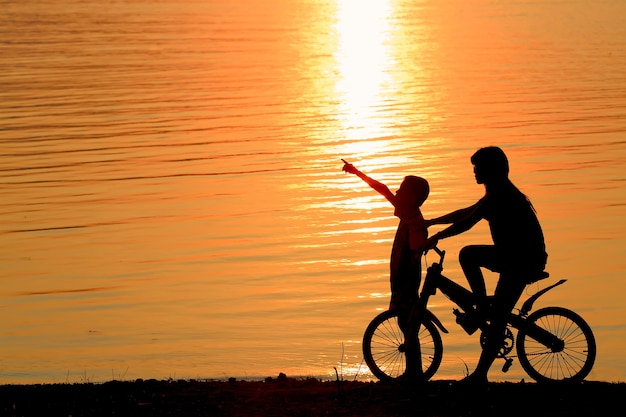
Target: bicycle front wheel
(571,361)
(384,347)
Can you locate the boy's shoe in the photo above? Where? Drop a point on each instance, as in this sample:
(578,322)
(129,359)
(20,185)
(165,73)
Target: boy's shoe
(412,378)
(481,312)
(474,380)
(466,321)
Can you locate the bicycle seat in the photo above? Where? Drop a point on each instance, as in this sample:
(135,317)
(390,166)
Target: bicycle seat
(538,277)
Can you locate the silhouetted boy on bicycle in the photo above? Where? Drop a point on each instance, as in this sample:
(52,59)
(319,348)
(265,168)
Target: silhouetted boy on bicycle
(518,252)
(406,254)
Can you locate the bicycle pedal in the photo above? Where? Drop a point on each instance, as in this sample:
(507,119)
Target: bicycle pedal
(507,365)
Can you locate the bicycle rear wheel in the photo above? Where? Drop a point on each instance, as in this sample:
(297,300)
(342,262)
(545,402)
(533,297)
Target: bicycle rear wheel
(384,347)
(572,361)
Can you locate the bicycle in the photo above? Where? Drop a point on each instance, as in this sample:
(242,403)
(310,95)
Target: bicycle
(553,344)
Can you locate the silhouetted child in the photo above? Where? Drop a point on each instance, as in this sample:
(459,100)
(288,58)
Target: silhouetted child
(406,254)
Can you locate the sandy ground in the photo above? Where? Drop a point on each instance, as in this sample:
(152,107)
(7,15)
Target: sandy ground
(282,396)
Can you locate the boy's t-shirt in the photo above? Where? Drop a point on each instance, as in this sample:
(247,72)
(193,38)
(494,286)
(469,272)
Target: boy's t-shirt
(410,237)
(515,230)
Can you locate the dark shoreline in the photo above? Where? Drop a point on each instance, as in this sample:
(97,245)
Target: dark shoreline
(310,397)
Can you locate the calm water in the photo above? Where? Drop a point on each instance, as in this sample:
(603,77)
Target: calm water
(173,202)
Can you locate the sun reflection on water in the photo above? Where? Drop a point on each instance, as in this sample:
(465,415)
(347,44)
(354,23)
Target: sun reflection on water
(363,61)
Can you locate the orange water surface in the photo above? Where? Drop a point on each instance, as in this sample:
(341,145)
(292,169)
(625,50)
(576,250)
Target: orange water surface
(173,204)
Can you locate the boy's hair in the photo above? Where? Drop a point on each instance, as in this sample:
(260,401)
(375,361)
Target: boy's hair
(492,161)
(419,186)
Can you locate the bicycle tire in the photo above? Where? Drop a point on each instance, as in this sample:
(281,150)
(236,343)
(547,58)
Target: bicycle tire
(383,344)
(571,364)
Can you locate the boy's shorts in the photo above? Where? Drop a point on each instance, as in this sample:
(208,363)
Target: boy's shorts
(401,301)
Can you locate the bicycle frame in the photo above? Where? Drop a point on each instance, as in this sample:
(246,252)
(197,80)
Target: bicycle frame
(464,299)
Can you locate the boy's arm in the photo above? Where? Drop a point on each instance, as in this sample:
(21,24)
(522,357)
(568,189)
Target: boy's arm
(459,226)
(453,217)
(464,220)
(376,185)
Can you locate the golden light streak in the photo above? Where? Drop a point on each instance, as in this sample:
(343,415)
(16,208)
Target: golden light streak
(363,59)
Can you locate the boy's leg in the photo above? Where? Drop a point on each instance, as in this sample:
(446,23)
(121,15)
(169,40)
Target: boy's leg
(403,296)
(474,257)
(508,291)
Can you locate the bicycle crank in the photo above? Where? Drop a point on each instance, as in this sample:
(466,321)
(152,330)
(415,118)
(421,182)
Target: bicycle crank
(507,344)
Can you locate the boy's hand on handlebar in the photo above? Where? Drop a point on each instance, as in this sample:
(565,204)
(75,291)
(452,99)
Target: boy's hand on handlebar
(431,242)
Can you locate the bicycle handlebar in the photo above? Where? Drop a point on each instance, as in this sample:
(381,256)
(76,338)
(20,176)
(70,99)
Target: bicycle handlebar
(441,253)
